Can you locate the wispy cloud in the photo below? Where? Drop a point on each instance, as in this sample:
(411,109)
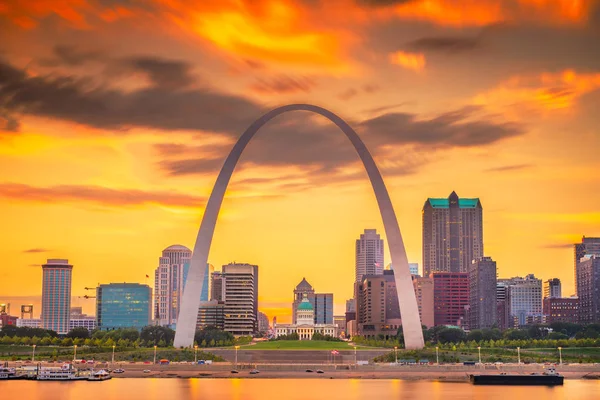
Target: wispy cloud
(514,167)
(37,250)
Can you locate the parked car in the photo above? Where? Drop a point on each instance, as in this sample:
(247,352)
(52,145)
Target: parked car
(254,372)
(233,371)
(309,370)
(118,371)
(146,371)
(320,371)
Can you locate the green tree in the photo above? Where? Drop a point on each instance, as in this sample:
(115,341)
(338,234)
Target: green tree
(78,333)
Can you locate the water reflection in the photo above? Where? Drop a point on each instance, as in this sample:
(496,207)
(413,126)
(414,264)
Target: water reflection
(288,389)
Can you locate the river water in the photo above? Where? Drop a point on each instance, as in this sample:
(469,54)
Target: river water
(288,389)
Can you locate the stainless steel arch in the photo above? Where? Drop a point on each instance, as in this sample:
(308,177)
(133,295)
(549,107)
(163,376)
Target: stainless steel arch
(186,322)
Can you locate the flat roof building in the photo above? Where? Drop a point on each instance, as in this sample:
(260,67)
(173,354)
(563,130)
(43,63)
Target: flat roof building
(56,295)
(123,305)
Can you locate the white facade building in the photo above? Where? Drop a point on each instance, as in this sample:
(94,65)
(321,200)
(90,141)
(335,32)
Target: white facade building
(525,299)
(305,326)
(29,322)
(369,254)
(83,322)
(168,284)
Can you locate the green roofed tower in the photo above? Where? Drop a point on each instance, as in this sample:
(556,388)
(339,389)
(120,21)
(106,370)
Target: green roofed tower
(452,234)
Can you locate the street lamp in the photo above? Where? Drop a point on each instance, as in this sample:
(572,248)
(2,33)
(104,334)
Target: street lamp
(113,355)
(236,349)
(560,355)
(479,350)
(519,355)
(355,361)
(437,355)
(154,354)
(396,352)
(195,354)
(33,354)
(74,352)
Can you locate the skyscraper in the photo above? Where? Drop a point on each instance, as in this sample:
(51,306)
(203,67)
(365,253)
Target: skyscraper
(241,298)
(482,293)
(588,289)
(552,288)
(206,284)
(123,305)
(588,245)
(369,254)
(452,234)
(323,306)
(56,295)
(168,284)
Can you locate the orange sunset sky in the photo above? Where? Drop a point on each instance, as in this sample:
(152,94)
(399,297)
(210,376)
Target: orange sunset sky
(115,117)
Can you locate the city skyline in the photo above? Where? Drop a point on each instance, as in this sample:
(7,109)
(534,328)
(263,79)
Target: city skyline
(108,152)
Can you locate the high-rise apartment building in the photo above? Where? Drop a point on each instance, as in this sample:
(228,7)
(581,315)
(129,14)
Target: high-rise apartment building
(450,298)
(123,305)
(482,293)
(525,300)
(452,234)
(169,283)
(588,289)
(424,293)
(56,295)
(369,254)
(241,298)
(377,308)
(552,288)
(588,246)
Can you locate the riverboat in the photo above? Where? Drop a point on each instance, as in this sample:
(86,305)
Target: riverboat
(64,373)
(549,378)
(101,375)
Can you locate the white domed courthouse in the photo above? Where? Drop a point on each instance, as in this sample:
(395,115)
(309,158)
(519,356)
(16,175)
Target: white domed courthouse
(305,325)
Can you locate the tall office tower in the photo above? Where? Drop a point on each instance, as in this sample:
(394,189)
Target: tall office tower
(241,298)
(216,286)
(587,246)
(299,291)
(452,234)
(482,290)
(168,284)
(450,297)
(588,282)
(123,305)
(323,306)
(525,300)
(413,268)
(502,304)
(424,292)
(350,305)
(552,288)
(56,295)
(377,308)
(369,254)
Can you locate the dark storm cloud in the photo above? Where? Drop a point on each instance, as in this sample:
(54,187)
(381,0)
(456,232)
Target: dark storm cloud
(164,73)
(72,56)
(444,44)
(452,129)
(157,107)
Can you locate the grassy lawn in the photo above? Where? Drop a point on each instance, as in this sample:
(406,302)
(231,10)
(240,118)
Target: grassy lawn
(301,345)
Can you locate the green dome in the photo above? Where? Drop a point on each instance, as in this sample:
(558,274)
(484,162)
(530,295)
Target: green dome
(305,305)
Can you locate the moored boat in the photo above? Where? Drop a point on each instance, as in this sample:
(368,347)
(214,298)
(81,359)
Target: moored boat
(549,378)
(64,373)
(101,375)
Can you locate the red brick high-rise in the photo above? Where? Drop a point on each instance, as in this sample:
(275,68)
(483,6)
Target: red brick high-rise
(450,297)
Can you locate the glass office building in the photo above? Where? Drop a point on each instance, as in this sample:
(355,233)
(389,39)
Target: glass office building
(123,305)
